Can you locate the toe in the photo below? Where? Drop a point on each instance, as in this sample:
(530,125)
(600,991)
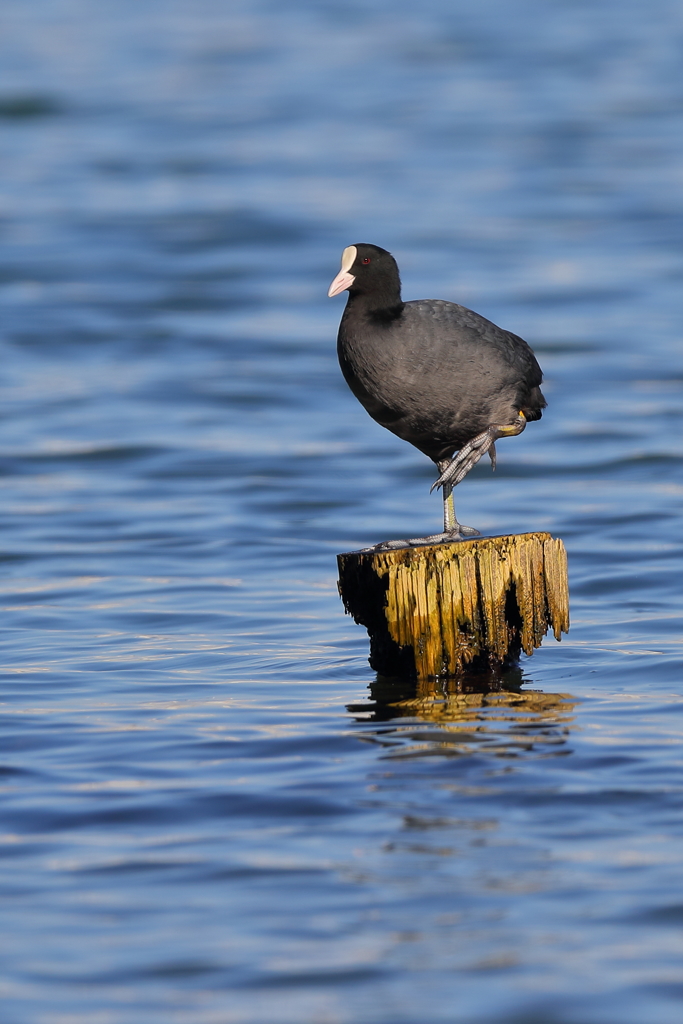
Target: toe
(469,531)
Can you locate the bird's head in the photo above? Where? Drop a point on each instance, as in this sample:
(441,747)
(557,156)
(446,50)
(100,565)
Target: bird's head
(366,269)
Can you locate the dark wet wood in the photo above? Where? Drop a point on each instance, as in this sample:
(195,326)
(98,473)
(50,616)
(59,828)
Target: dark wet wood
(440,610)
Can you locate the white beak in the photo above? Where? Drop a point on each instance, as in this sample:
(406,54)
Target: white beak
(344,279)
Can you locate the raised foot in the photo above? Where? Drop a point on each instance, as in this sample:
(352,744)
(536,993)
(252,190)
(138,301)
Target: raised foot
(449,537)
(469,455)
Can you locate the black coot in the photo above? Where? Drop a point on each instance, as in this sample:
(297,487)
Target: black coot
(432,372)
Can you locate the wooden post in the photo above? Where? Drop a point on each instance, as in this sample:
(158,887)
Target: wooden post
(439,610)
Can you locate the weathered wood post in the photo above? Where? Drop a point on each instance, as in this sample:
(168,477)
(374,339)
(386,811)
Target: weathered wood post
(439,610)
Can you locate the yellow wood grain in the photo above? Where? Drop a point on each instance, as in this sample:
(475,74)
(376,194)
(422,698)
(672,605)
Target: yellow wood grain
(449,601)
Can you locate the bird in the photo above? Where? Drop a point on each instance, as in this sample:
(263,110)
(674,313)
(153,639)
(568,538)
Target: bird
(435,373)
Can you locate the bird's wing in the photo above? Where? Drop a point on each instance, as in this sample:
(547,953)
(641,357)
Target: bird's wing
(451,334)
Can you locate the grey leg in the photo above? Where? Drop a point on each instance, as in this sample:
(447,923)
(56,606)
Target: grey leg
(451,472)
(452,529)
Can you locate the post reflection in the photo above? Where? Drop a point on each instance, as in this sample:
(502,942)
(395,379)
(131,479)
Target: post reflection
(470,716)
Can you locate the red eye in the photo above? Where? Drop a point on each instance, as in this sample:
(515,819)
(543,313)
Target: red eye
(366,260)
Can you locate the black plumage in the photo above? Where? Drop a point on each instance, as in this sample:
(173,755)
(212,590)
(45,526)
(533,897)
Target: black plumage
(433,372)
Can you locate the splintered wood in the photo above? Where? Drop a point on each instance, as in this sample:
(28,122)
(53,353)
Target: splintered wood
(443,609)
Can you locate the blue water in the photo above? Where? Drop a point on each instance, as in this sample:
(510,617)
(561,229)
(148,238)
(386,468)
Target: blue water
(212,813)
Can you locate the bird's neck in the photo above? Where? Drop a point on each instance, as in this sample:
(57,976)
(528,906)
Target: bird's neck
(380,305)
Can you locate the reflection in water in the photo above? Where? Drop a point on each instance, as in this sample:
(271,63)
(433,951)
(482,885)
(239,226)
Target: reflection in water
(454,717)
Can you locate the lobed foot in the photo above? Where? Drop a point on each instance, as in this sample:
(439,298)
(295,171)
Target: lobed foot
(469,454)
(448,537)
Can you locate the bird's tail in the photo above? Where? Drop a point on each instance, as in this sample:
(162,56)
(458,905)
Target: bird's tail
(534,404)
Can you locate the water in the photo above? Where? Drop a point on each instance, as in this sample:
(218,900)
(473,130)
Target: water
(211,810)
